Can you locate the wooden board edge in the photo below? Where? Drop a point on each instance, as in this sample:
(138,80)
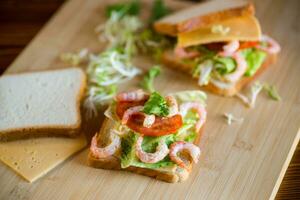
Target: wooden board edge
(285,166)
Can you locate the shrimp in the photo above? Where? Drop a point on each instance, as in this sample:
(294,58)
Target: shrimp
(272,46)
(148,121)
(160,153)
(136,95)
(230,48)
(199,108)
(241,68)
(129,112)
(193,150)
(108,150)
(182,53)
(173,106)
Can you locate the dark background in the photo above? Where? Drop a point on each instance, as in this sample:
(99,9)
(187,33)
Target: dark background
(20,20)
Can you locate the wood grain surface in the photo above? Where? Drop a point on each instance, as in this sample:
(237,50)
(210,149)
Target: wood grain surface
(250,156)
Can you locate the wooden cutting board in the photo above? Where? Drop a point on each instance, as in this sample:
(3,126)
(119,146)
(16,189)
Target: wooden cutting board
(241,161)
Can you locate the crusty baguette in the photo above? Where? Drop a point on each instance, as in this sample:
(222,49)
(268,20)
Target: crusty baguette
(41,103)
(113,162)
(201,15)
(170,60)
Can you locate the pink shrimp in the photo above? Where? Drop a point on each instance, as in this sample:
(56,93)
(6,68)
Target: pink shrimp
(272,46)
(105,151)
(161,152)
(180,52)
(148,121)
(193,150)
(230,48)
(136,95)
(240,69)
(173,106)
(129,112)
(199,108)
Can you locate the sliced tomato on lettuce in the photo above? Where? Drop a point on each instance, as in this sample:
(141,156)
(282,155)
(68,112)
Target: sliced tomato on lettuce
(161,126)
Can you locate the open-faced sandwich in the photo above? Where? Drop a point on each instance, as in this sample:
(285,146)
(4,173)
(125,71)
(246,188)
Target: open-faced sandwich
(151,135)
(219,43)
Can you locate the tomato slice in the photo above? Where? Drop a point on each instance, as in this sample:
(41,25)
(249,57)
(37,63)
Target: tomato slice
(245,45)
(124,105)
(161,126)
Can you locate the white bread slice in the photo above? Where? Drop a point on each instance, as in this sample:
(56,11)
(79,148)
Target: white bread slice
(170,174)
(244,28)
(41,103)
(170,60)
(202,15)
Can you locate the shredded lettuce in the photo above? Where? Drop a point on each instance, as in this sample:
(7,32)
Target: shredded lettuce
(120,31)
(224,65)
(272,92)
(75,58)
(254,59)
(148,79)
(156,105)
(231,118)
(105,71)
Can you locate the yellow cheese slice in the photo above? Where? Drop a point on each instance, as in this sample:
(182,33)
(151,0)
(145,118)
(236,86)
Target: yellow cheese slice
(33,158)
(244,28)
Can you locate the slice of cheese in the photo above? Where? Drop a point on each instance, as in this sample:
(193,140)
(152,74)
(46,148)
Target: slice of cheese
(245,28)
(33,158)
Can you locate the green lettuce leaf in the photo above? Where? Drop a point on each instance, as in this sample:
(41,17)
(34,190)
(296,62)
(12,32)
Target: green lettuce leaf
(190,95)
(254,59)
(128,157)
(130,8)
(147,82)
(224,65)
(159,10)
(156,105)
(128,150)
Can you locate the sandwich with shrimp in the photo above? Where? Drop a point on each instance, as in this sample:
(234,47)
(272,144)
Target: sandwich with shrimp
(219,43)
(152,135)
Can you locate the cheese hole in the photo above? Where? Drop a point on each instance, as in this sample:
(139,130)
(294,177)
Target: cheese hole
(15,163)
(31,166)
(56,154)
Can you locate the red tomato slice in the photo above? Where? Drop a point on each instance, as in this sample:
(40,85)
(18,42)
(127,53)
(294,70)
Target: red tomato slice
(245,45)
(124,105)
(161,126)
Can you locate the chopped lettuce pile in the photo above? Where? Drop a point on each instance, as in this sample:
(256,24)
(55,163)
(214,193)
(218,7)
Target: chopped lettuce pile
(105,71)
(211,66)
(185,133)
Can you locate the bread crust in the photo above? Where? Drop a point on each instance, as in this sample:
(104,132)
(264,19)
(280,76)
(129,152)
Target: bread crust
(53,131)
(113,162)
(171,61)
(203,20)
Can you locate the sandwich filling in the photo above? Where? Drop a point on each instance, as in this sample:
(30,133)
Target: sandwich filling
(224,64)
(152,131)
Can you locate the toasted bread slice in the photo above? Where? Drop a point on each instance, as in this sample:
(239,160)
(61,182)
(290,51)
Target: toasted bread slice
(202,15)
(170,60)
(41,103)
(172,175)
